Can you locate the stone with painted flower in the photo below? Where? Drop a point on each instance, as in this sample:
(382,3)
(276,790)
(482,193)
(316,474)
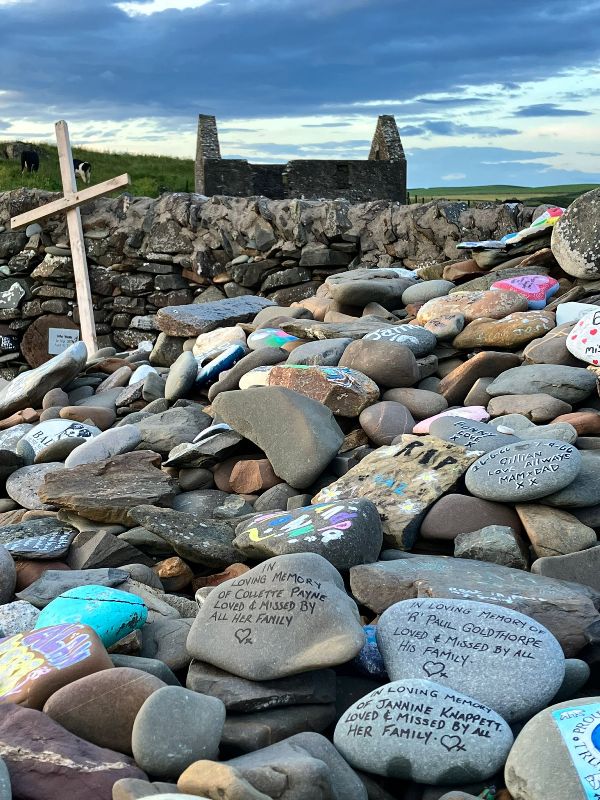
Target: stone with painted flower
(35,664)
(536,289)
(403,481)
(345,533)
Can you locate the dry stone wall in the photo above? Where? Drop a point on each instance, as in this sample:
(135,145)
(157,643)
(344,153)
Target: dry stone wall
(145,254)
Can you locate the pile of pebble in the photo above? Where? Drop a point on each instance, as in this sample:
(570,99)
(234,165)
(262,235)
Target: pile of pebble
(343,549)
(144,254)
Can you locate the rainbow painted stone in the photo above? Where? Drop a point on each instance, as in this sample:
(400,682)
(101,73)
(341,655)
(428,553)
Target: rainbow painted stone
(584,340)
(270,337)
(35,664)
(345,533)
(111,613)
(536,289)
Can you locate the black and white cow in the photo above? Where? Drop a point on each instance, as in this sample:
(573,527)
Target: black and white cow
(83,170)
(30,161)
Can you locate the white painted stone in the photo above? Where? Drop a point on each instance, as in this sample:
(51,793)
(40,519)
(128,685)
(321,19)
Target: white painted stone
(584,340)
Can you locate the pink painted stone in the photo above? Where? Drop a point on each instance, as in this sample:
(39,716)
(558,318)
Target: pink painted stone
(477,413)
(535,288)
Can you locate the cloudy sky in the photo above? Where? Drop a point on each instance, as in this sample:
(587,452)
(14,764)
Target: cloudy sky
(484,91)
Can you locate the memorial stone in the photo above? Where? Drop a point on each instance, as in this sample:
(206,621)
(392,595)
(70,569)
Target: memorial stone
(422,342)
(472,435)
(289,614)
(500,657)
(422,731)
(523,471)
(46,547)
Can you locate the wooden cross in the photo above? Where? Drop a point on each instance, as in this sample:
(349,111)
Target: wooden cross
(70,202)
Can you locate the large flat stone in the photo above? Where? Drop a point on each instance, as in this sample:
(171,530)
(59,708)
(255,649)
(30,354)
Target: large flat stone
(402,481)
(568,610)
(105,490)
(197,318)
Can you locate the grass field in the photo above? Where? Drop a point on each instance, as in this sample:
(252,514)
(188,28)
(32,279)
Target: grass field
(530,195)
(151,175)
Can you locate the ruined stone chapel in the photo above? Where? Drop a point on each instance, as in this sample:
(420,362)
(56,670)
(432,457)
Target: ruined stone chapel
(381,177)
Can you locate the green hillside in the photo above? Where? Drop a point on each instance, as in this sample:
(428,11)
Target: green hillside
(530,195)
(151,175)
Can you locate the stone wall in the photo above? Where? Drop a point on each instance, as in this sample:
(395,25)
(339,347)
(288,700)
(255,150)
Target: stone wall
(145,254)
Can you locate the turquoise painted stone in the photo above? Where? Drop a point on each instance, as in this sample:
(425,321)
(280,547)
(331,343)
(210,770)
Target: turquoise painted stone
(269,337)
(111,613)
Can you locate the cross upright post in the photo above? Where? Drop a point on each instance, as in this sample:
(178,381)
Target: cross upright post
(70,202)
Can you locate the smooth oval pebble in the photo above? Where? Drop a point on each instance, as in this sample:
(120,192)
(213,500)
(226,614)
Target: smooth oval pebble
(523,471)
(584,339)
(110,443)
(498,656)
(424,732)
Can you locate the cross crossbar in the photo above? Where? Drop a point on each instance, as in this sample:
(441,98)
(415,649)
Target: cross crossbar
(69,201)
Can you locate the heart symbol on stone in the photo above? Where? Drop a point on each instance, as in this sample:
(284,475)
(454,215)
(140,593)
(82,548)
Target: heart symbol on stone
(584,340)
(594,361)
(451,742)
(593,331)
(432,668)
(574,337)
(243,635)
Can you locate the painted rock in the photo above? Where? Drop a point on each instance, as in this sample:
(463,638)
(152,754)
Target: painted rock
(536,289)
(36,664)
(523,471)
(225,360)
(496,655)
(556,754)
(472,435)
(345,533)
(42,436)
(270,337)
(475,413)
(111,613)
(584,340)
(345,391)
(409,729)
(45,547)
(402,480)
(416,338)
(288,615)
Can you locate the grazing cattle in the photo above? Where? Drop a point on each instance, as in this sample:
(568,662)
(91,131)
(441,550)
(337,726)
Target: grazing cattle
(83,170)
(30,161)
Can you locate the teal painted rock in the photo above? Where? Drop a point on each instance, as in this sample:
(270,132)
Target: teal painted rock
(111,613)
